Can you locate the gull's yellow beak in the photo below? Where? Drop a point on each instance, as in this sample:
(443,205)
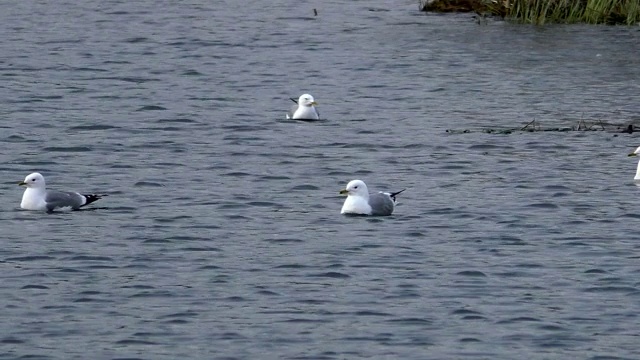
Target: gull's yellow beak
(22,183)
(344,192)
(314,103)
(633,154)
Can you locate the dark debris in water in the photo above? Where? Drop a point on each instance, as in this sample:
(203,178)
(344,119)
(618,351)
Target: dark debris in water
(535,126)
(92,127)
(67,149)
(151,108)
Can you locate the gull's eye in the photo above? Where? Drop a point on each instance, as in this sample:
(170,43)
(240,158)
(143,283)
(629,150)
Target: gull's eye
(355,187)
(33,179)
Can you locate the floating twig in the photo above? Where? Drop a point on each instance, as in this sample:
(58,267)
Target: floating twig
(530,122)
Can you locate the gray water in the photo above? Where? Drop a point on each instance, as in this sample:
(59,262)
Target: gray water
(221,237)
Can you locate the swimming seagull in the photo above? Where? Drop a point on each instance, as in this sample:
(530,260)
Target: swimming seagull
(37,197)
(305,109)
(635,153)
(359,201)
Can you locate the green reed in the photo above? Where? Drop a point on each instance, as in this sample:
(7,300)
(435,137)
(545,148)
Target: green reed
(570,11)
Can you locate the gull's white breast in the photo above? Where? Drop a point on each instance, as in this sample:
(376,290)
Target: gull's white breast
(356,205)
(33,199)
(306,112)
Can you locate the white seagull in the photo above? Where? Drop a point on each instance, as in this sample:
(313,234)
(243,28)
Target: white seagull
(360,202)
(305,109)
(635,153)
(37,197)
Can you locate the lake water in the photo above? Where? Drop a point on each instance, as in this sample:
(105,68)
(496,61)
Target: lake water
(221,237)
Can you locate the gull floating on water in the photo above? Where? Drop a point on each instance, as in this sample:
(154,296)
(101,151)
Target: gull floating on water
(360,202)
(37,197)
(635,153)
(305,109)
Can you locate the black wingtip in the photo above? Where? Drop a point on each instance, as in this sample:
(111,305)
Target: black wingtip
(93,197)
(294,100)
(393,195)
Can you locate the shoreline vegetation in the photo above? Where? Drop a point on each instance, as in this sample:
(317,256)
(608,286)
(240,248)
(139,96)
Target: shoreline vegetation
(539,12)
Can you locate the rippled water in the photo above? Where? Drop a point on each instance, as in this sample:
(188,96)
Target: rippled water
(221,236)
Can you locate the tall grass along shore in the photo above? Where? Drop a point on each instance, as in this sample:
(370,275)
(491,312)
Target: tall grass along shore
(622,12)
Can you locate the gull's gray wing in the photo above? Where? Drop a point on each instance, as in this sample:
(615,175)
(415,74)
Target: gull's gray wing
(56,199)
(59,199)
(381,204)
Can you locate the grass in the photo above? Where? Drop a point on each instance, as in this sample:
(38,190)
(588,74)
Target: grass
(539,12)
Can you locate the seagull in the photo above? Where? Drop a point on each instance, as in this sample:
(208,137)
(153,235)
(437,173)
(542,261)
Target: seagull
(635,153)
(37,197)
(360,202)
(305,110)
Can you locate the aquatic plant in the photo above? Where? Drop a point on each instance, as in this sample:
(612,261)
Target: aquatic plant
(546,11)
(575,11)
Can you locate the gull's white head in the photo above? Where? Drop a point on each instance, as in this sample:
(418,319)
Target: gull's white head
(356,188)
(306,100)
(33,181)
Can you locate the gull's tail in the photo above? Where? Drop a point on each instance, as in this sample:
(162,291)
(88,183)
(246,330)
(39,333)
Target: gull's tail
(393,195)
(289,116)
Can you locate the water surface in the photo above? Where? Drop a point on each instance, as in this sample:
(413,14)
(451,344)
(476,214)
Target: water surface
(221,236)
